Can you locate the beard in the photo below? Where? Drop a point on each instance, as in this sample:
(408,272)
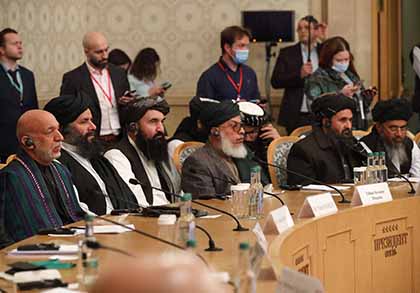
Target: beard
(155,149)
(99,64)
(88,149)
(231,150)
(397,153)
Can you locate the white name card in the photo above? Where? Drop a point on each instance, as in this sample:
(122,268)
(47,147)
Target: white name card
(278,221)
(262,241)
(318,205)
(293,281)
(371,194)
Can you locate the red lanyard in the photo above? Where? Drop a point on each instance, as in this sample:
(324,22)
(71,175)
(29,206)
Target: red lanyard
(109,94)
(236,86)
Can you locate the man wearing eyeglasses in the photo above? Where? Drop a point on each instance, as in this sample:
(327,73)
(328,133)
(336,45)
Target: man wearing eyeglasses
(389,135)
(224,159)
(143,153)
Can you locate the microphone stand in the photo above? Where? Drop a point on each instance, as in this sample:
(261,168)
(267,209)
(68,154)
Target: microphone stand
(343,199)
(238,228)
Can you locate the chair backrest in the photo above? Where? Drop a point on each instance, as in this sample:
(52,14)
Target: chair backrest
(358,134)
(302,131)
(411,136)
(183,151)
(417,138)
(277,154)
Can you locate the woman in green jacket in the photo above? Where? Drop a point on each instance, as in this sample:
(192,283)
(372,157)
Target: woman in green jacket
(336,73)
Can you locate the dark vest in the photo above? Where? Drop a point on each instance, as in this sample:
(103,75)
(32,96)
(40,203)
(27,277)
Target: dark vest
(138,169)
(88,188)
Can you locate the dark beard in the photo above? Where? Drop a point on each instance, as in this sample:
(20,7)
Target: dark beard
(155,149)
(344,140)
(87,149)
(100,65)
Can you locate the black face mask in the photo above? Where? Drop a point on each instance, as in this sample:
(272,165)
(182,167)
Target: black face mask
(155,149)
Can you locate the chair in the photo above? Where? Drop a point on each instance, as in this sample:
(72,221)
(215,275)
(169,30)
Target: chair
(358,134)
(417,138)
(277,154)
(411,136)
(302,131)
(183,151)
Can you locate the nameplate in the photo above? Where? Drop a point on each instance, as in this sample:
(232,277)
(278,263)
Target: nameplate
(278,221)
(371,194)
(318,205)
(292,281)
(261,240)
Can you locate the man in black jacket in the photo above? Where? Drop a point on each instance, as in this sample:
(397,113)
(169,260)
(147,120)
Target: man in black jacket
(291,68)
(327,154)
(17,90)
(98,184)
(105,84)
(389,135)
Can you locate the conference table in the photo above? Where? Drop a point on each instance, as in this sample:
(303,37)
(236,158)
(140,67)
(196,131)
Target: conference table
(340,261)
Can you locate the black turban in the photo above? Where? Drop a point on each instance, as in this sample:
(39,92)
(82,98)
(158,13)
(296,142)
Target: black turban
(329,105)
(67,108)
(136,109)
(393,109)
(215,114)
(197,104)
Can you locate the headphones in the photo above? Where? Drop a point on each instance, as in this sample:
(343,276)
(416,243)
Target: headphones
(215,132)
(28,142)
(132,127)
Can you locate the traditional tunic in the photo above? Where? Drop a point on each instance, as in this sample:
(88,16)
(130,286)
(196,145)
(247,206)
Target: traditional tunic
(29,204)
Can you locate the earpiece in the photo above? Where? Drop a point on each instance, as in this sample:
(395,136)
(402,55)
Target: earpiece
(132,127)
(328,123)
(215,132)
(29,143)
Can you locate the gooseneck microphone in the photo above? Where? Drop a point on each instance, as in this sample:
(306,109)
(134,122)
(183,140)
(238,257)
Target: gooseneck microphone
(238,228)
(412,190)
(97,245)
(145,234)
(343,199)
(212,245)
(232,182)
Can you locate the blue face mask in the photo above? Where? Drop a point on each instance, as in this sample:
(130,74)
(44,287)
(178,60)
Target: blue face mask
(241,56)
(341,67)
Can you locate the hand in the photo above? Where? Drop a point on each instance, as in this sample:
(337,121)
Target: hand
(306,69)
(269,132)
(124,100)
(349,90)
(321,31)
(370,91)
(156,91)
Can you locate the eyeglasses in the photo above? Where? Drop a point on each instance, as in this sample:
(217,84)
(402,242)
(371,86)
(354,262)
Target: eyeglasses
(236,126)
(394,128)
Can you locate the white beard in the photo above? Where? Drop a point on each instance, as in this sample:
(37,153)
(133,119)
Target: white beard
(230,150)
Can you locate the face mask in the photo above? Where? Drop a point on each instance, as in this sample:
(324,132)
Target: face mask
(341,67)
(241,56)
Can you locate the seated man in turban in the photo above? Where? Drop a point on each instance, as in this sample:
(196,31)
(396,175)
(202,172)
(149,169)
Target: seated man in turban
(389,135)
(223,161)
(327,153)
(143,153)
(98,183)
(36,192)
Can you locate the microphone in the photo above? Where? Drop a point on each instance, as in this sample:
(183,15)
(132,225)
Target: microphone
(212,245)
(238,228)
(232,182)
(412,191)
(96,245)
(343,199)
(143,234)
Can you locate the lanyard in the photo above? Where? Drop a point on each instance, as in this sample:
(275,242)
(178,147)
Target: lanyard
(19,85)
(236,86)
(109,94)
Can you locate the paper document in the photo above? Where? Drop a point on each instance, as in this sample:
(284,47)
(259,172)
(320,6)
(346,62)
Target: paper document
(323,187)
(63,249)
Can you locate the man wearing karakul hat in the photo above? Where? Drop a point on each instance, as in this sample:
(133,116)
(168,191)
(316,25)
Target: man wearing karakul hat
(223,157)
(326,154)
(389,135)
(98,184)
(143,153)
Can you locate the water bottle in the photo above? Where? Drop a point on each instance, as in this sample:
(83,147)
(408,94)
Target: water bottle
(245,280)
(256,193)
(383,168)
(166,225)
(186,221)
(88,260)
(371,169)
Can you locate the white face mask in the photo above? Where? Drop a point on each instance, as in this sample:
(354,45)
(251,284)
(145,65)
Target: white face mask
(341,67)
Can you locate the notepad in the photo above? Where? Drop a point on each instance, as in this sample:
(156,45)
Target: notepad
(63,249)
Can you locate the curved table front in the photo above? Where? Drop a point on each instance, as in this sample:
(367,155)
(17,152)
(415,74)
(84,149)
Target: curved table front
(284,249)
